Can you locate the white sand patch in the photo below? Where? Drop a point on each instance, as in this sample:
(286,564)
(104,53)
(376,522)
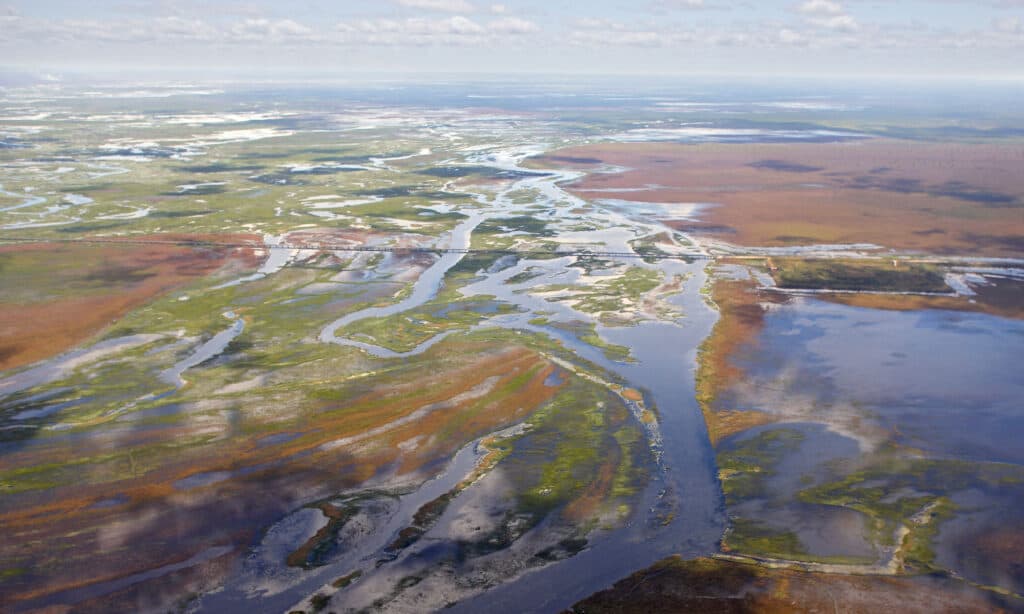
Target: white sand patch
(338,204)
(134,214)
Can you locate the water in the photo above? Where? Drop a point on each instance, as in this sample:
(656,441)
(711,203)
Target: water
(266,581)
(58,367)
(665,354)
(666,359)
(29,200)
(948,382)
(205,352)
(425,288)
(277,258)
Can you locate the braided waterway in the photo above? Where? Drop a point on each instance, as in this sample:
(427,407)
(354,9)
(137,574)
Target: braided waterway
(681,509)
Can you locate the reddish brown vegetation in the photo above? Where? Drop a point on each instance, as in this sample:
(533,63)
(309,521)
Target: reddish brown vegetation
(932,197)
(741,319)
(61,541)
(62,294)
(709,585)
(583,507)
(1003,298)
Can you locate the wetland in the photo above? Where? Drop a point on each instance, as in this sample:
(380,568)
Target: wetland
(355,354)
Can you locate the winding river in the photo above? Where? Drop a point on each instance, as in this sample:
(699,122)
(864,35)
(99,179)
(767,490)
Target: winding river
(665,359)
(665,354)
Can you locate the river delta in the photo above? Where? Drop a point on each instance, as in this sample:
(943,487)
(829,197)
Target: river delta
(282,350)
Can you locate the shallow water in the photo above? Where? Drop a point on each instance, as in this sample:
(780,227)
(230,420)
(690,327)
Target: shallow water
(949,382)
(266,581)
(52,369)
(205,352)
(30,200)
(425,288)
(665,360)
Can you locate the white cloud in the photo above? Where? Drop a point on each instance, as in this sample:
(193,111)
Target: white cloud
(631,38)
(790,37)
(513,25)
(1010,25)
(821,7)
(446,6)
(663,6)
(419,31)
(599,32)
(814,24)
(498,9)
(840,23)
(177,27)
(829,15)
(593,23)
(254,30)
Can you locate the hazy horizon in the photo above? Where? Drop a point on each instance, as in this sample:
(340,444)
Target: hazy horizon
(805,38)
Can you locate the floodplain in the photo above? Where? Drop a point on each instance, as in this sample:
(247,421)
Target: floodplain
(321,351)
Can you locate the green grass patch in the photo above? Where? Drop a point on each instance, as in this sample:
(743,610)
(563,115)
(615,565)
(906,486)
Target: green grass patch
(744,466)
(857,275)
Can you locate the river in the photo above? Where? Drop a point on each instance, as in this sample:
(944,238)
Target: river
(665,360)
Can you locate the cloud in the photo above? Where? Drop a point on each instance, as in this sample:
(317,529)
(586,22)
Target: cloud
(498,8)
(667,6)
(445,6)
(820,7)
(840,23)
(791,37)
(814,24)
(1011,25)
(828,15)
(256,30)
(512,25)
(188,29)
(420,31)
(630,38)
(590,31)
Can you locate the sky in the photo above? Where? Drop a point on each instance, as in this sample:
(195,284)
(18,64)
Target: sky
(335,38)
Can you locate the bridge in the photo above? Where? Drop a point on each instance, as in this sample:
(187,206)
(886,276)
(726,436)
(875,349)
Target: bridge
(321,246)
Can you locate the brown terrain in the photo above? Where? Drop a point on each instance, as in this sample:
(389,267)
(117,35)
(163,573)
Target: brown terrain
(46,309)
(1005,299)
(712,585)
(738,327)
(941,198)
(76,541)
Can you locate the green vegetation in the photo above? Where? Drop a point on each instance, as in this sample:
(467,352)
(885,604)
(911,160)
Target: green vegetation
(526,224)
(571,438)
(924,526)
(347,579)
(750,536)
(616,299)
(587,333)
(318,548)
(524,277)
(650,247)
(613,295)
(894,491)
(744,466)
(403,332)
(857,275)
